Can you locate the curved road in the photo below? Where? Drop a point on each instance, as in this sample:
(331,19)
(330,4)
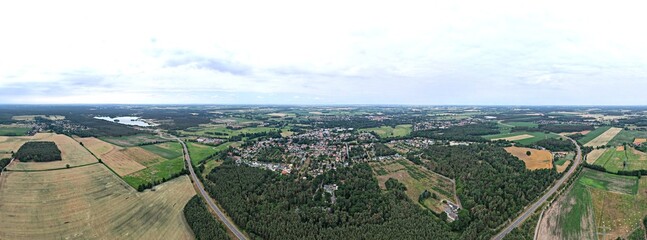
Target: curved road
(231,226)
(529,211)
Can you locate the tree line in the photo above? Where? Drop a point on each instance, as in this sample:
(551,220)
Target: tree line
(203,224)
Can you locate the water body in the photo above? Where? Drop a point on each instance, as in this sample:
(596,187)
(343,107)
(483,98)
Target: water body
(133,121)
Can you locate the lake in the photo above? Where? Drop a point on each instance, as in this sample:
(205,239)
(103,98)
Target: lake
(133,121)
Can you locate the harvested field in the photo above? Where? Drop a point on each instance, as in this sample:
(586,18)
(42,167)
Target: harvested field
(639,141)
(620,148)
(538,159)
(594,155)
(515,138)
(90,203)
(417,179)
(72,153)
(562,168)
(122,160)
(604,138)
(8,144)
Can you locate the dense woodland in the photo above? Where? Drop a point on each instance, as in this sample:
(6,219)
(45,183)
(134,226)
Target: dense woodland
(270,206)
(492,184)
(203,224)
(555,145)
(4,162)
(38,151)
(471,133)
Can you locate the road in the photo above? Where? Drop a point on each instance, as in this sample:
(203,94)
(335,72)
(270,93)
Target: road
(530,210)
(231,226)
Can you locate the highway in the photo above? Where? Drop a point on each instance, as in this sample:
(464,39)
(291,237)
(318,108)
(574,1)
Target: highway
(530,210)
(231,226)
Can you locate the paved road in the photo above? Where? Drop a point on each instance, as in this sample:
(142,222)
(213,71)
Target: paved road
(530,210)
(231,226)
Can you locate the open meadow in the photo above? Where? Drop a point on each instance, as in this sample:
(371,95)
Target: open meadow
(417,179)
(598,205)
(90,202)
(538,159)
(388,131)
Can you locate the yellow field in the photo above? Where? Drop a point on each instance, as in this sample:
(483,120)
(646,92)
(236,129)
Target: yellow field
(122,160)
(72,153)
(639,141)
(594,155)
(8,144)
(90,203)
(515,138)
(562,168)
(538,159)
(604,138)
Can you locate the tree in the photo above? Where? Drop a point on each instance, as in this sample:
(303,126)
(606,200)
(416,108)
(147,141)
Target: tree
(528,153)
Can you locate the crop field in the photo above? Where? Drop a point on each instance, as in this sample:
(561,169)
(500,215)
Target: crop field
(617,159)
(628,136)
(168,150)
(417,179)
(13,131)
(387,131)
(221,131)
(122,160)
(600,136)
(522,138)
(154,173)
(90,203)
(130,141)
(200,152)
(521,124)
(72,153)
(599,205)
(538,159)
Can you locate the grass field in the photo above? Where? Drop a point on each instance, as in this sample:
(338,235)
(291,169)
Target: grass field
(627,136)
(536,136)
(538,159)
(599,205)
(387,131)
(208,129)
(417,179)
(593,134)
(521,124)
(616,159)
(200,152)
(90,203)
(168,150)
(130,141)
(155,173)
(72,153)
(13,131)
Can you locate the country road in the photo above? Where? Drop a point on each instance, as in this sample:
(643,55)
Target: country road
(530,210)
(231,226)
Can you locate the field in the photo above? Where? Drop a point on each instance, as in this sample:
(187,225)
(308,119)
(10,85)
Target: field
(627,136)
(13,131)
(9,144)
(522,139)
(604,138)
(72,153)
(222,130)
(515,138)
(617,159)
(538,159)
(562,163)
(521,124)
(168,150)
(90,203)
(200,152)
(599,205)
(593,135)
(594,155)
(130,141)
(33,117)
(417,179)
(387,131)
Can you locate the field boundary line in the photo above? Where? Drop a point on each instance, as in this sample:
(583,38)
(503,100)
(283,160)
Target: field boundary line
(53,169)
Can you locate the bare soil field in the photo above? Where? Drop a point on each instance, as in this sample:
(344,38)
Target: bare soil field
(72,153)
(639,141)
(90,203)
(562,168)
(515,138)
(538,159)
(122,160)
(604,138)
(594,155)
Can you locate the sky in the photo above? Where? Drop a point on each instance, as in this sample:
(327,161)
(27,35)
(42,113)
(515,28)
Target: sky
(324,52)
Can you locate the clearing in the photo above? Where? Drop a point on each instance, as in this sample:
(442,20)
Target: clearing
(536,136)
(90,203)
(603,138)
(417,179)
(388,131)
(538,159)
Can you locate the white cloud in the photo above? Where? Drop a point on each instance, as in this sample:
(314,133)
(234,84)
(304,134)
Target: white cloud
(417,52)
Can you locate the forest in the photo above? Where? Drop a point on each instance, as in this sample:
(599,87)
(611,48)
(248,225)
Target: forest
(471,133)
(203,224)
(555,145)
(4,162)
(492,184)
(271,206)
(38,151)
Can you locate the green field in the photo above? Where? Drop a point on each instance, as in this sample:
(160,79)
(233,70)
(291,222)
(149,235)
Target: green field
(627,160)
(387,131)
(537,136)
(593,134)
(576,207)
(609,182)
(168,150)
(200,152)
(560,161)
(155,173)
(13,131)
(135,140)
(221,131)
(627,136)
(521,124)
